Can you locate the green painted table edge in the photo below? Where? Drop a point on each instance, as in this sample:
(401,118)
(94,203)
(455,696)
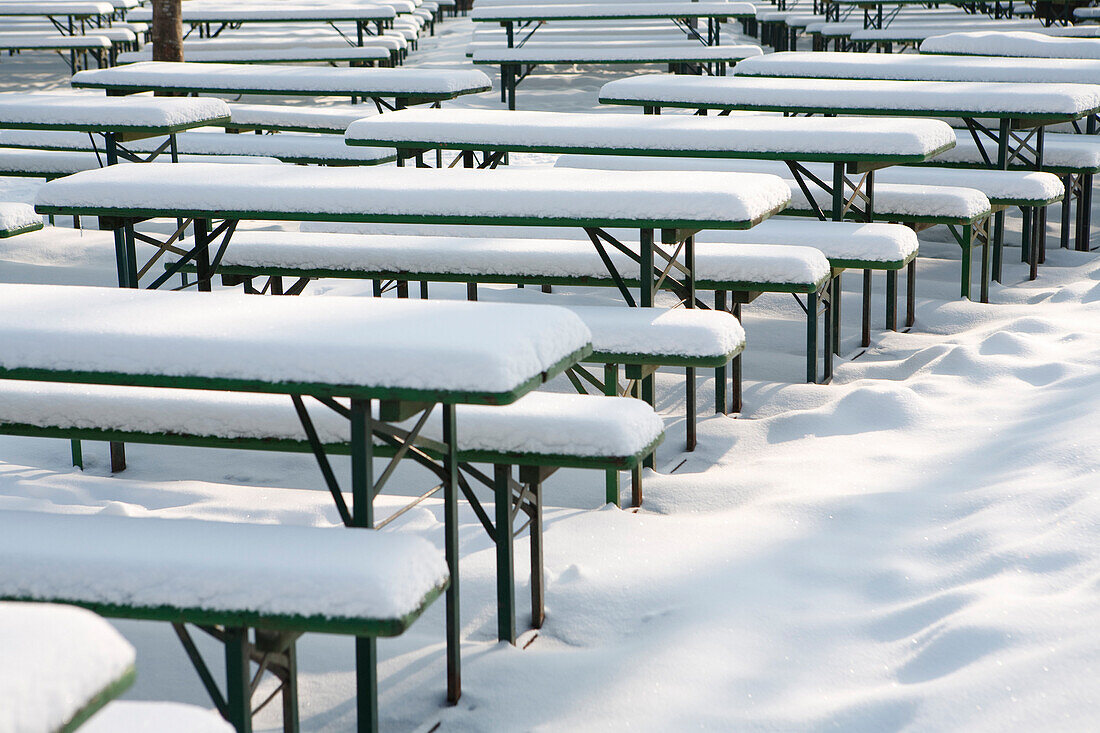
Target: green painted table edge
(731,58)
(251,619)
(426,96)
(899,159)
(301,388)
(150,130)
(632,16)
(104,696)
(154,213)
(6,233)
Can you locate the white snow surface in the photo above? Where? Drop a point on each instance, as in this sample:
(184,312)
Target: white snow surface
(273,79)
(64,162)
(558,130)
(504,256)
(341,341)
(859,95)
(638,53)
(108,113)
(719,199)
(141,716)
(596,11)
(1012,43)
(216,566)
(56,8)
(43,40)
(538,423)
(275,115)
(57,659)
(1072,151)
(15,216)
(925,67)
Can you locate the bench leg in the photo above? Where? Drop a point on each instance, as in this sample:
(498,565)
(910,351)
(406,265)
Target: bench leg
(811,337)
(78,454)
(1026,234)
(998,246)
(834,311)
(636,487)
(290,690)
(967,240)
(827,368)
(911,293)
(735,369)
(538,607)
(692,412)
(865,338)
(506,587)
(649,398)
(892,300)
(450,541)
(1063,229)
(720,372)
(471,291)
(366,684)
(983,294)
(238,679)
(611,389)
(118,457)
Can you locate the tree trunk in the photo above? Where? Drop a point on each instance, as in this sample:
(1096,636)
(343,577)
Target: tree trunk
(167,31)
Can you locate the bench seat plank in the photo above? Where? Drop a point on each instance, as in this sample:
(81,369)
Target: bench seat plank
(32,41)
(539,429)
(1047,102)
(1062,153)
(426,84)
(515,196)
(228,573)
(87,113)
(333,120)
(353,347)
(795,138)
(303,54)
(557,261)
(925,67)
(51,164)
(233,13)
(16,218)
(1012,43)
(61,665)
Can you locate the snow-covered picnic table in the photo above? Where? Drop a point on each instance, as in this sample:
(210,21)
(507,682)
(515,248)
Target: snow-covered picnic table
(678,205)
(69,18)
(131,117)
(354,55)
(74,49)
(851,145)
(235,15)
(873,16)
(1012,43)
(521,17)
(403,86)
(61,665)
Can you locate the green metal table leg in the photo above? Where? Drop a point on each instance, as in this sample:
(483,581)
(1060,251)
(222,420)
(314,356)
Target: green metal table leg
(450,541)
(611,389)
(506,587)
(238,690)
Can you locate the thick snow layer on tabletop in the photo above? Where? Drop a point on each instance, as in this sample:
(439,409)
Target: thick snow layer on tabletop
(232,13)
(340,341)
(57,659)
(506,257)
(677,331)
(43,40)
(56,8)
(637,53)
(906,67)
(1012,43)
(1032,185)
(1071,151)
(858,94)
(216,566)
(288,145)
(614,10)
(540,423)
(64,162)
(141,716)
(836,240)
(110,112)
(515,192)
(666,132)
(278,54)
(15,216)
(274,78)
(275,115)
(890,198)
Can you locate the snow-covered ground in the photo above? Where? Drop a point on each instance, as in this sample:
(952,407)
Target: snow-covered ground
(913,547)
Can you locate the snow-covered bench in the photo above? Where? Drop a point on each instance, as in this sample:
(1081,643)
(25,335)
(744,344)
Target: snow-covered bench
(260,587)
(353,55)
(333,120)
(403,86)
(1012,43)
(61,664)
(298,148)
(74,49)
(203,16)
(517,63)
(16,218)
